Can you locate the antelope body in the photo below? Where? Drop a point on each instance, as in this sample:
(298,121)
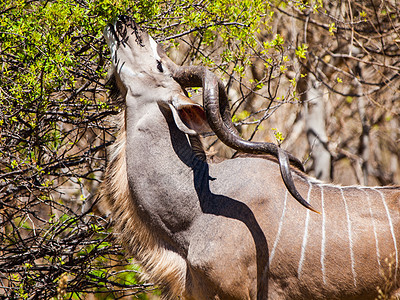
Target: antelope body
(230,230)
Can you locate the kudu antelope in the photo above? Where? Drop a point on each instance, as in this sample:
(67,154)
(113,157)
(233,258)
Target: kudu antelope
(230,230)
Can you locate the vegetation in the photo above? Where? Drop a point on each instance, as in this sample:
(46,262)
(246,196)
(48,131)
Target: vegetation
(55,115)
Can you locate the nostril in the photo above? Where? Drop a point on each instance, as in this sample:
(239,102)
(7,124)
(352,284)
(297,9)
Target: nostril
(123,19)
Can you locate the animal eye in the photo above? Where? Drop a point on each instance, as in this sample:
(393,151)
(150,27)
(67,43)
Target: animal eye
(159,66)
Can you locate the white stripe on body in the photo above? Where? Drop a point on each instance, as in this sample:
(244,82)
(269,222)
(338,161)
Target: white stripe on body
(278,235)
(323,240)
(305,236)
(373,226)
(350,238)
(391,230)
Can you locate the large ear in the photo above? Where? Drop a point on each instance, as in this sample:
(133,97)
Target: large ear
(190,118)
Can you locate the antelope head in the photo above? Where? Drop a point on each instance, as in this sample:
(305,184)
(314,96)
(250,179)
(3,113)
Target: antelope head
(141,62)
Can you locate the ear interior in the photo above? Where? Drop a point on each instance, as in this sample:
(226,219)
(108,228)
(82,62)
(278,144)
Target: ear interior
(190,118)
(194,117)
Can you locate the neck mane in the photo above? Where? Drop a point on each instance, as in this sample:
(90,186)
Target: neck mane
(167,268)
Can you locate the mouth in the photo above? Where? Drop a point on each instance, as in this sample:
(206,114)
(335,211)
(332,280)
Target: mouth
(120,30)
(117,26)
(110,34)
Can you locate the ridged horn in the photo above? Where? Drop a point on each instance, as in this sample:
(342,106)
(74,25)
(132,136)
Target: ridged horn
(218,114)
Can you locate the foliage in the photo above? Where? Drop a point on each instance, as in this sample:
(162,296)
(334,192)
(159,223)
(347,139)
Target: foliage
(55,116)
(350,51)
(53,135)
(388,273)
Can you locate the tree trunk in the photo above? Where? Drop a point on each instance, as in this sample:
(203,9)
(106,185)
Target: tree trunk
(314,112)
